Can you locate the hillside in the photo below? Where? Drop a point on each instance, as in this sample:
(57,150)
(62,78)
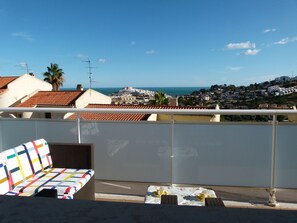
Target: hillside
(279,93)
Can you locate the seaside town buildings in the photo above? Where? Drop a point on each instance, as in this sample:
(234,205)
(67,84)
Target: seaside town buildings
(133,96)
(254,96)
(39,94)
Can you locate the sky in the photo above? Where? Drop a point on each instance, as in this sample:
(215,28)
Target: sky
(151,43)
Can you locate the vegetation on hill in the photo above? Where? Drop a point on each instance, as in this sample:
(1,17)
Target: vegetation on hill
(160,99)
(280,93)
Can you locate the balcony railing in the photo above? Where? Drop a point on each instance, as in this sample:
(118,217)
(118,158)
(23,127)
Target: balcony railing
(225,153)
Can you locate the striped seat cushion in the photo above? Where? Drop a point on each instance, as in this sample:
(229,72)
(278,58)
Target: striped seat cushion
(25,161)
(66,181)
(39,155)
(18,165)
(4,175)
(27,169)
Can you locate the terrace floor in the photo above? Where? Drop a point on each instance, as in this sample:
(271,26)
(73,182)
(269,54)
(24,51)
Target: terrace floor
(237,197)
(127,206)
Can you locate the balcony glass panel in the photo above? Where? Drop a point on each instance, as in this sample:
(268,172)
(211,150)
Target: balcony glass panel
(57,131)
(222,154)
(18,131)
(286,154)
(15,132)
(128,151)
(231,154)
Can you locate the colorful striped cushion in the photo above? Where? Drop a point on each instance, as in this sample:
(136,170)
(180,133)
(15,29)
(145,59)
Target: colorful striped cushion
(27,169)
(42,149)
(25,161)
(17,165)
(4,175)
(33,158)
(66,181)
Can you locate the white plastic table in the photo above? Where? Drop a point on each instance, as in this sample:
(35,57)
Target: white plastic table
(185,195)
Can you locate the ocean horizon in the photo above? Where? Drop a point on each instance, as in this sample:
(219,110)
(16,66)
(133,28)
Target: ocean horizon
(172,91)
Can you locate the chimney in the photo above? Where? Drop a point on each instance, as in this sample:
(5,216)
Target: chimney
(79,87)
(173,101)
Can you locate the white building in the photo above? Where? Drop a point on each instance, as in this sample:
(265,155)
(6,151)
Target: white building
(274,88)
(282,79)
(14,88)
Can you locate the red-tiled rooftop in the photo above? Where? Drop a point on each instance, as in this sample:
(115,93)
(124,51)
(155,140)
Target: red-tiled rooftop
(4,81)
(52,98)
(144,107)
(111,116)
(123,116)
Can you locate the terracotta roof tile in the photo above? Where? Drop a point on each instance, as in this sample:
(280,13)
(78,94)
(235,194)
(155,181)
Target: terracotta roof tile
(144,107)
(52,98)
(4,81)
(123,116)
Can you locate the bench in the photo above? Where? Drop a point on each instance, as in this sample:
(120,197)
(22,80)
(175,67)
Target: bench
(28,169)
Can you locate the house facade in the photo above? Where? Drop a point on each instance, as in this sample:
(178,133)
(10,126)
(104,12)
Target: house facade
(15,88)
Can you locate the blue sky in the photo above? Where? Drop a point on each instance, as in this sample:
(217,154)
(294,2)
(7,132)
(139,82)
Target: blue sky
(152,43)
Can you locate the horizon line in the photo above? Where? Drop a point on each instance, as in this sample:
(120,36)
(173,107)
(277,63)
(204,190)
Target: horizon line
(146,87)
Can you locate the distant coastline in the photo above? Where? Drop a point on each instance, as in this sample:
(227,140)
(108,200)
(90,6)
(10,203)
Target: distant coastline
(172,91)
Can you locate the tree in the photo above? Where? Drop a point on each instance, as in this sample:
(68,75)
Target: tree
(160,99)
(54,76)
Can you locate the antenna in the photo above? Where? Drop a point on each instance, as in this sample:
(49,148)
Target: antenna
(24,65)
(90,73)
(27,68)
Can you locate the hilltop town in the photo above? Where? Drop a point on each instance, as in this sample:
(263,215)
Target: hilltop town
(280,93)
(130,95)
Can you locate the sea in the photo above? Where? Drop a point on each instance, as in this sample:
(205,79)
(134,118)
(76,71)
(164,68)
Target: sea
(172,91)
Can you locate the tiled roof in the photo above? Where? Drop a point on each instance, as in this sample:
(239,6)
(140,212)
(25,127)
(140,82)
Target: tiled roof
(123,116)
(4,81)
(52,98)
(144,107)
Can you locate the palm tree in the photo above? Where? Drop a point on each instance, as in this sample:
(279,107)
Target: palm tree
(160,99)
(54,76)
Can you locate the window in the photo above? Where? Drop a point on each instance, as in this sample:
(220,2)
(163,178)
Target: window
(48,115)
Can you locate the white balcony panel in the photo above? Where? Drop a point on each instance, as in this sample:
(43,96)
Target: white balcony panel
(125,151)
(286,156)
(222,154)
(57,131)
(15,132)
(18,131)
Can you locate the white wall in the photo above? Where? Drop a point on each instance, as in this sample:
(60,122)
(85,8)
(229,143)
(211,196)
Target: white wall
(92,97)
(54,115)
(21,87)
(153,117)
(216,118)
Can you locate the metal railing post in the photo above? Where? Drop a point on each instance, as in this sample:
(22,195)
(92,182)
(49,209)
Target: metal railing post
(172,147)
(272,190)
(78,127)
